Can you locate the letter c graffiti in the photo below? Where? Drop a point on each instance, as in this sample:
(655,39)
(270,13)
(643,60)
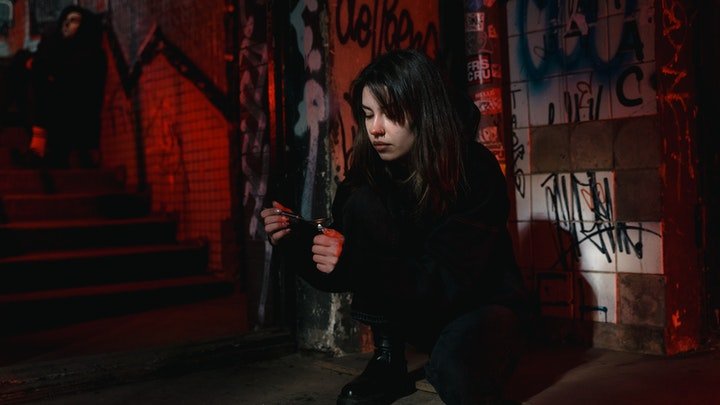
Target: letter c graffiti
(619,86)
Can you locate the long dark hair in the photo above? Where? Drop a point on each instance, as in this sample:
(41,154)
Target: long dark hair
(89,33)
(410,89)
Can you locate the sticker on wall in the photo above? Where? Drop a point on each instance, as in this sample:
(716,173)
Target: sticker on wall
(479,69)
(476,42)
(489,101)
(492,32)
(474,22)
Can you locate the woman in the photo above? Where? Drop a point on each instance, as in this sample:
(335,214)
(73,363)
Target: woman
(68,79)
(420,239)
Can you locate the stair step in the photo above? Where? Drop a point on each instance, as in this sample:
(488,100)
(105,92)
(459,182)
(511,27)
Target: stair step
(81,268)
(36,181)
(41,309)
(14,137)
(38,207)
(32,236)
(6,160)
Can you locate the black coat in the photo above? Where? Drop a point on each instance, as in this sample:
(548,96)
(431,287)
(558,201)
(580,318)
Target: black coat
(68,79)
(424,270)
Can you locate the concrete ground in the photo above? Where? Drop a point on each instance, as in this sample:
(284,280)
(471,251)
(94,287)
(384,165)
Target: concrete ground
(555,375)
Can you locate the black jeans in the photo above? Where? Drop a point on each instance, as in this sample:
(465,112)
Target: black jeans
(475,355)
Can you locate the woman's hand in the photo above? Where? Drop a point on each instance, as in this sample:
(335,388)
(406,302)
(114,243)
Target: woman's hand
(277,226)
(327,248)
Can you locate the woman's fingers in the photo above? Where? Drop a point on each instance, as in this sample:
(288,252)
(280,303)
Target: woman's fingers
(276,226)
(327,248)
(279,206)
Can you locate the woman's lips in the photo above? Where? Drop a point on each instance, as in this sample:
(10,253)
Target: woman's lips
(381,146)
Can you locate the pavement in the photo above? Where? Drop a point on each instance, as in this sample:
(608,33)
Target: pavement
(547,375)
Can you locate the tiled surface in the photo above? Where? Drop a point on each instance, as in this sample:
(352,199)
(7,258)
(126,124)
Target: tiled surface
(555,292)
(591,145)
(595,244)
(586,97)
(641,300)
(596,296)
(637,96)
(545,98)
(638,143)
(596,48)
(523,195)
(593,196)
(640,248)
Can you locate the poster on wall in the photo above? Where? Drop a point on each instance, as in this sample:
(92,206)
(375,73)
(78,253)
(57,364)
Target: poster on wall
(44,14)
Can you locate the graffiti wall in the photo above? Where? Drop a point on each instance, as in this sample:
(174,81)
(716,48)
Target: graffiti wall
(586,154)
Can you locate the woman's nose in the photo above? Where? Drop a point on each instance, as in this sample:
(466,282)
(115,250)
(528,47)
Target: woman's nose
(377,129)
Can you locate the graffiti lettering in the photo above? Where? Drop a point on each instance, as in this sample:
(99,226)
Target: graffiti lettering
(518,155)
(568,199)
(582,106)
(582,15)
(479,70)
(620,86)
(381,26)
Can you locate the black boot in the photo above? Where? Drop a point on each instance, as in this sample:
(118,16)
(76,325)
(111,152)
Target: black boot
(385,378)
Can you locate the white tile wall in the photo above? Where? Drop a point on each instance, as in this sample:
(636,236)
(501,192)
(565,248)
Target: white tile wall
(590,52)
(645,238)
(548,202)
(590,88)
(595,245)
(523,198)
(519,104)
(541,95)
(596,289)
(636,86)
(511,13)
(590,192)
(521,149)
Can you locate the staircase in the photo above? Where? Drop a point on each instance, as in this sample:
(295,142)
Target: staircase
(76,246)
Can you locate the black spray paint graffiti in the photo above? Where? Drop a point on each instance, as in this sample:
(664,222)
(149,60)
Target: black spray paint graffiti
(584,210)
(518,155)
(518,151)
(383,27)
(563,19)
(584,102)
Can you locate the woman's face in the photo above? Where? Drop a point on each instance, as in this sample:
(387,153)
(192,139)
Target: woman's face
(390,139)
(71,24)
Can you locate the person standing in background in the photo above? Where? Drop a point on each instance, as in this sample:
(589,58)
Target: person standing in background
(68,81)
